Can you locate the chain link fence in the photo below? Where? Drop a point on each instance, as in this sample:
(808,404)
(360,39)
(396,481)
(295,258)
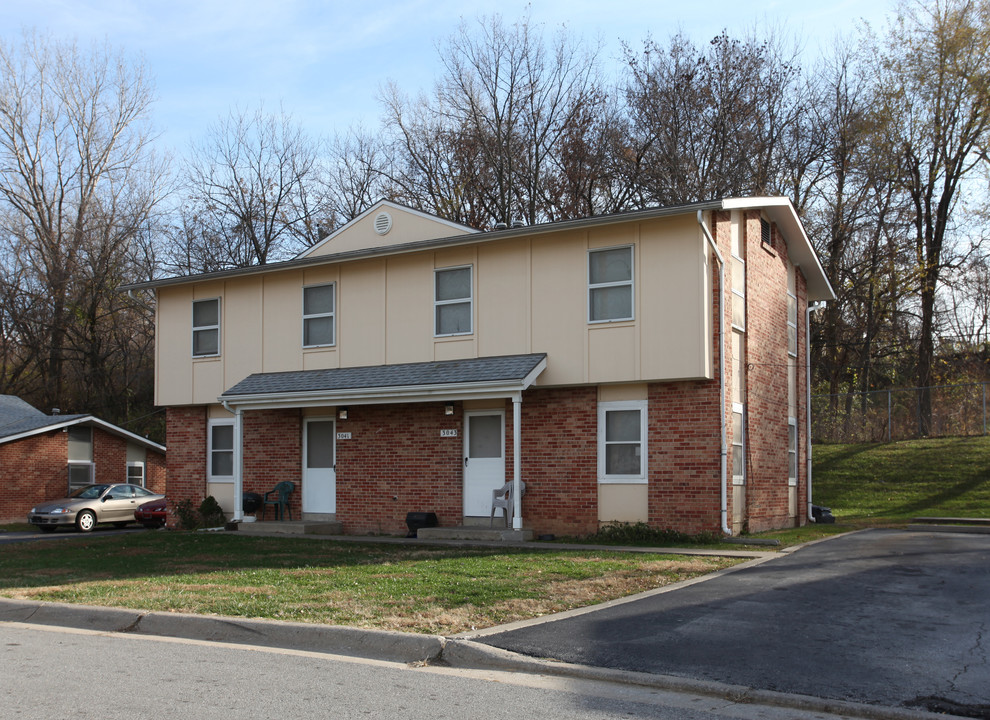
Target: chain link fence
(895,414)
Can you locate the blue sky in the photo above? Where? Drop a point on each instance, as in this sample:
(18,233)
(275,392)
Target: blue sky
(325,62)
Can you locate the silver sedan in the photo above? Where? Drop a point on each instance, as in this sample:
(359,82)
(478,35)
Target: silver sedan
(90,505)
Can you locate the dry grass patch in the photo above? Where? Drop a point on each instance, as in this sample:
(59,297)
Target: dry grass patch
(436,590)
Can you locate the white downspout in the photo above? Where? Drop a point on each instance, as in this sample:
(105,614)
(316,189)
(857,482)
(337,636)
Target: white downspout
(807,398)
(723,449)
(238,461)
(517,521)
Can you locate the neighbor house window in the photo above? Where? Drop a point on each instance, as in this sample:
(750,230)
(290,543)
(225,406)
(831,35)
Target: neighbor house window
(220,451)
(792,451)
(80,456)
(738,444)
(135,473)
(622,442)
(610,284)
(318,315)
(206,327)
(452,301)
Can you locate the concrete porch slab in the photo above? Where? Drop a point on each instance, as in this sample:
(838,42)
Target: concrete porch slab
(475,533)
(290,527)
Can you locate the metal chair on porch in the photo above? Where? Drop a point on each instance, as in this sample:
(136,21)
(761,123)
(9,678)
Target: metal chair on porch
(278,498)
(502,498)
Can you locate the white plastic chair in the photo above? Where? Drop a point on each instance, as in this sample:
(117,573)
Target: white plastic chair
(502,498)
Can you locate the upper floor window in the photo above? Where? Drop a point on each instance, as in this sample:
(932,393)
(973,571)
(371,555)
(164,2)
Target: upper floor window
(610,284)
(318,315)
(452,301)
(206,327)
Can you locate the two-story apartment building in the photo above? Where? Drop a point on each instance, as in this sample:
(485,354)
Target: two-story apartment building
(642,367)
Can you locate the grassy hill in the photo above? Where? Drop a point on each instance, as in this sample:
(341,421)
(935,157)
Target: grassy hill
(892,483)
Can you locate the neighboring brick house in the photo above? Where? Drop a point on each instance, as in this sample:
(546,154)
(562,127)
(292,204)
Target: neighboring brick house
(407,363)
(44,457)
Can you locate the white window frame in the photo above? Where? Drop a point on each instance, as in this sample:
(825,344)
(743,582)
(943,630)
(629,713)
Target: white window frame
(792,326)
(437,303)
(792,450)
(88,464)
(315,316)
(739,440)
(210,450)
(127,473)
(603,409)
(205,328)
(631,282)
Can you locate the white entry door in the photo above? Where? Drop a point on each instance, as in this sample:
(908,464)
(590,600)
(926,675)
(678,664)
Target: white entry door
(319,484)
(484,459)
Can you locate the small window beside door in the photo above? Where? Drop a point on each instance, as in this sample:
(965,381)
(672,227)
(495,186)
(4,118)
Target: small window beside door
(622,442)
(220,451)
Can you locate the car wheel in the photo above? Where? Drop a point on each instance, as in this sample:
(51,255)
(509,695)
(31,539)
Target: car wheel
(121,524)
(47,528)
(86,521)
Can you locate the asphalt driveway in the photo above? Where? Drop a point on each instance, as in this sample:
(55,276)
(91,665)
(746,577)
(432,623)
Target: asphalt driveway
(884,617)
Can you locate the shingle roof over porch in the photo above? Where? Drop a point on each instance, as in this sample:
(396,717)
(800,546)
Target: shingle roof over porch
(408,382)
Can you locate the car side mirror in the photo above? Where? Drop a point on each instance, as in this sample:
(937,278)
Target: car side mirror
(107,497)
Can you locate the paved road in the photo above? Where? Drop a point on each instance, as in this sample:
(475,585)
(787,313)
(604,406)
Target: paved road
(66,533)
(881,617)
(52,672)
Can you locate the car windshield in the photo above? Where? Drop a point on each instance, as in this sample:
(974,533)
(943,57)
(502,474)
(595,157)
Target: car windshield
(90,492)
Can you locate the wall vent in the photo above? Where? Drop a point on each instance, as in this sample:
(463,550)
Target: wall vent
(383,223)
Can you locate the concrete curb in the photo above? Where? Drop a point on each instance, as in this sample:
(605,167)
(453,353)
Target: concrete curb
(407,648)
(331,639)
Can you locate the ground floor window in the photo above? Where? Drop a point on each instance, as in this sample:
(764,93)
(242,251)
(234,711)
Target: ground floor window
(220,451)
(792,448)
(738,444)
(80,473)
(622,441)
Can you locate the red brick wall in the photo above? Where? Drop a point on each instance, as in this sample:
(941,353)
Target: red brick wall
(396,462)
(185,433)
(273,453)
(767,400)
(35,469)
(32,470)
(684,459)
(560,460)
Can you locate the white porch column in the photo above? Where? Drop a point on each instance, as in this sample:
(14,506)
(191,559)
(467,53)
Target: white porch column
(517,521)
(238,465)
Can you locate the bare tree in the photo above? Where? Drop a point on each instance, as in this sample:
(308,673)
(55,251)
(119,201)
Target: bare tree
(254,194)
(486,147)
(78,180)
(714,122)
(934,74)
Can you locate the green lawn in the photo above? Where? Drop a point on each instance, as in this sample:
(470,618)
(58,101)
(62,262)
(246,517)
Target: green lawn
(895,482)
(415,588)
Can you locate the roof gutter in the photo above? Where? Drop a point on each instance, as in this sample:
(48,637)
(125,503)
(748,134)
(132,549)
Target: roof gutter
(723,444)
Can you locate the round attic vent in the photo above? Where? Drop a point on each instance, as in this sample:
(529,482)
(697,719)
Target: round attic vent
(383,223)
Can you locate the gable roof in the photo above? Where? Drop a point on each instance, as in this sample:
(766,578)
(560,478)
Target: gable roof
(19,420)
(371,229)
(779,209)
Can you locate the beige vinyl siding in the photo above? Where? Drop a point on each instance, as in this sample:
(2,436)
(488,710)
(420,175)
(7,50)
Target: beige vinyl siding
(529,295)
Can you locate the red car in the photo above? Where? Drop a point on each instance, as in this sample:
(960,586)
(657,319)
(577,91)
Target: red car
(153,513)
